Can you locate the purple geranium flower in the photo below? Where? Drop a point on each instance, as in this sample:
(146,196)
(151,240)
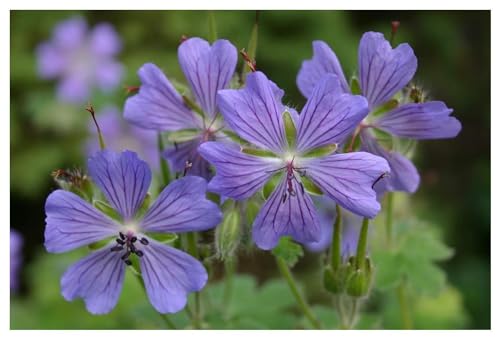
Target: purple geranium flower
(120,135)
(257,115)
(80,59)
(168,274)
(160,107)
(384,71)
(16,242)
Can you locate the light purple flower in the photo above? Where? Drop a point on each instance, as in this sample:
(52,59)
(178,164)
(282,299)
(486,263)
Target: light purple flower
(81,59)
(207,68)
(256,114)
(168,274)
(120,135)
(383,72)
(16,242)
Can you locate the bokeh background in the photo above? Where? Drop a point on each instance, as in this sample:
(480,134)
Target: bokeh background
(453,50)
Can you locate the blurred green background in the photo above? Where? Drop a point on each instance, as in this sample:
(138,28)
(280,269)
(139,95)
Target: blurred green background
(453,50)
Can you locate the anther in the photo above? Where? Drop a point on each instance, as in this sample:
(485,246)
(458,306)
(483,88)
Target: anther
(139,253)
(121,242)
(116,248)
(302,187)
(144,241)
(133,239)
(122,236)
(283,198)
(125,256)
(133,249)
(128,262)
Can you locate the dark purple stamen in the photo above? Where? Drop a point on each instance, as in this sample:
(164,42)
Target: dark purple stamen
(126,242)
(383,175)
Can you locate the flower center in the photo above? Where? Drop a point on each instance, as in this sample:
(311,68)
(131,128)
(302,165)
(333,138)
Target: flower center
(291,170)
(128,243)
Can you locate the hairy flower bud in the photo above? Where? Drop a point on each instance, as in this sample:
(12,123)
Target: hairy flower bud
(359,280)
(228,235)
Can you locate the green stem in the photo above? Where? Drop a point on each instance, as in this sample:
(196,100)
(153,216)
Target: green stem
(354,312)
(404,306)
(336,255)
(285,272)
(361,250)
(212,26)
(193,250)
(388,217)
(165,318)
(229,266)
(165,176)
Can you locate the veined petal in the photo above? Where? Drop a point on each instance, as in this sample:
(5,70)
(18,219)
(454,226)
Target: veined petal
(169,275)
(255,113)
(51,62)
(70,34)
(324,61)
(239,175)
(383,71)
(74,87)
(97,278)
(183,152)
(182,207)
(72,222)
(348,179)
(158,105)
(123,178)
(207,69)
(284,214)
(329,115)
(403,176)
(429,120)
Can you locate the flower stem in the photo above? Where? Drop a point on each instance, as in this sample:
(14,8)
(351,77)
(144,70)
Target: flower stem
(285,272)
(404,306)
(354,312)
(229,266)
(361,250)
(337,240)
(165,176)
(193,250)
(165,317)
(388,217)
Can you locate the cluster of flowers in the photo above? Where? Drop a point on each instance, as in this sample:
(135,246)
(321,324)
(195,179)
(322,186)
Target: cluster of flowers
(254,141)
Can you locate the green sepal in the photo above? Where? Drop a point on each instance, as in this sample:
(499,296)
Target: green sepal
(321,151)
(98,244)
(359,281)
(333,281)
(183,135)
(108,210)
(144,206)
(271,185)
(310,186)
(290,129)
(252,208)
(165,238)
(355,87)
(213,197)
(388,106)
(258,152)
(288,250)
(235,137)
(192,105)
(252,47)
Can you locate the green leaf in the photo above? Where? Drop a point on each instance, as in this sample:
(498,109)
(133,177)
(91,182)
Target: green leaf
(288,250)
(235,137)
(321,151)
(414,259)
(290,129)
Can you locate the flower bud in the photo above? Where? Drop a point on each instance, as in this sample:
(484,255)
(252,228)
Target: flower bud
(228,234)
(359,280)
(333,281)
